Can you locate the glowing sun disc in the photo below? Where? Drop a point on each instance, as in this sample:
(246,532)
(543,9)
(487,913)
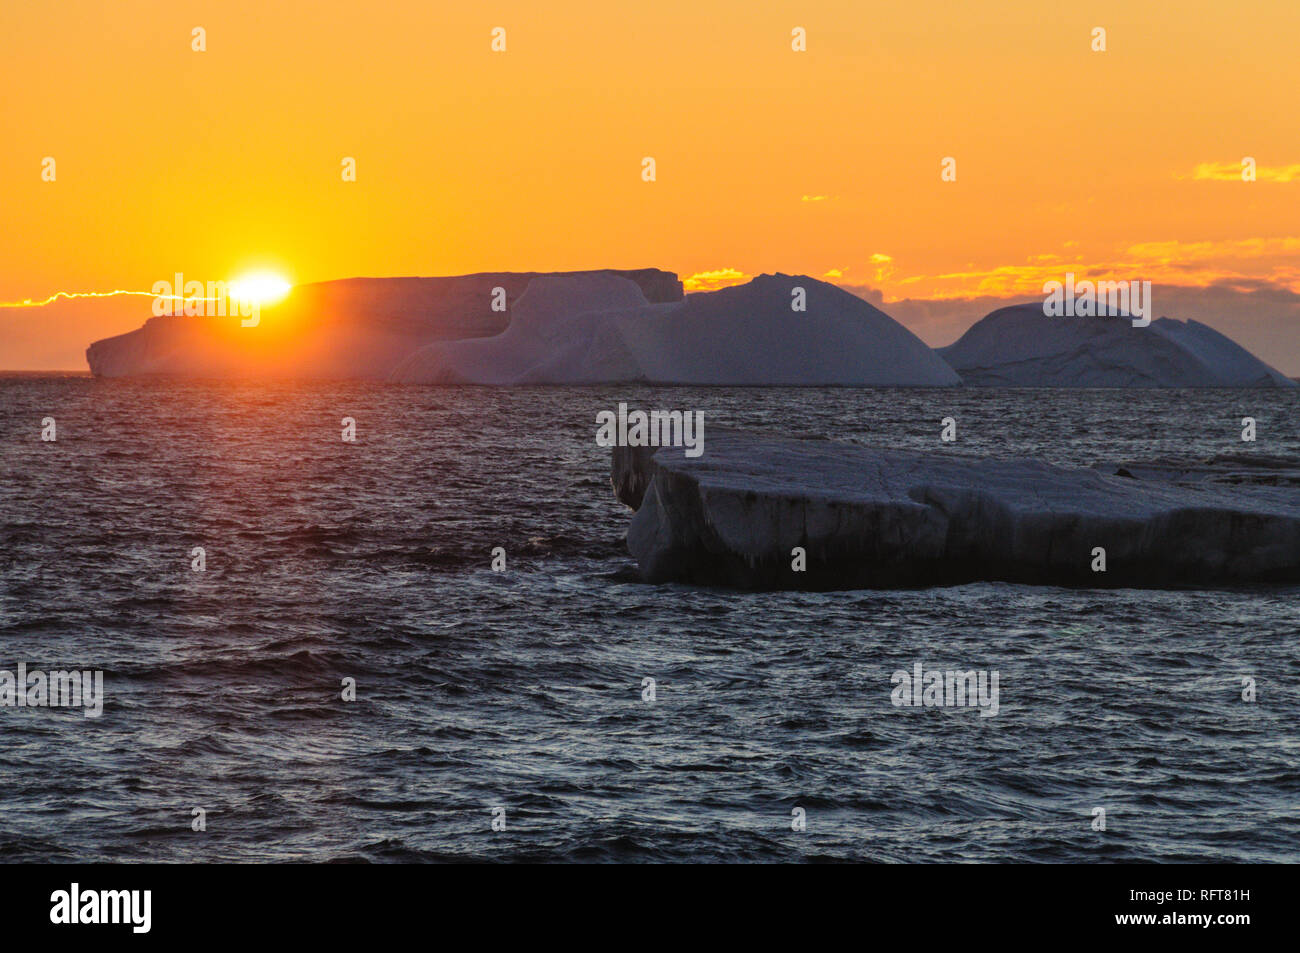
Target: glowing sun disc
(261,287)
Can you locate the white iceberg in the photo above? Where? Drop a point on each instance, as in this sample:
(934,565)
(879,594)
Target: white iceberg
(600,329)
(353,328)
(1019,346)
(575,328)
(867,518)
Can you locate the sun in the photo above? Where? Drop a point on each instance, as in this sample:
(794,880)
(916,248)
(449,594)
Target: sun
(259,287)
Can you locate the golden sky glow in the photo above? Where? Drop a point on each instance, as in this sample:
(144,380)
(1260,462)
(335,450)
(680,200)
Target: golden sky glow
(824,162)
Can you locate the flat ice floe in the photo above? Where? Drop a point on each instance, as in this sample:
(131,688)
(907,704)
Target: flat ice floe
(870,518)
(1019,346)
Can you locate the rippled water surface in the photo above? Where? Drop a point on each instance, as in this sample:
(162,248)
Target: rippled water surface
(523,689)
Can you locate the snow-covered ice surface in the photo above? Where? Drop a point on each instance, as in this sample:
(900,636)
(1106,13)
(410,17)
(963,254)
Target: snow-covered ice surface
(1019,346)
(871,518)
(600,330)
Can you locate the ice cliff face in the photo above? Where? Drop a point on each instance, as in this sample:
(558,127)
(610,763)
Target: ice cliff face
(777,329)
(358,327)
(1019,346)
(870,518)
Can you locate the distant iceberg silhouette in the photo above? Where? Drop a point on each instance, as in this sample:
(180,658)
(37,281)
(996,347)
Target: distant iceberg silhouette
(1020,346)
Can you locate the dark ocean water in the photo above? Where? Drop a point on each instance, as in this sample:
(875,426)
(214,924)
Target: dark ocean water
(523,689)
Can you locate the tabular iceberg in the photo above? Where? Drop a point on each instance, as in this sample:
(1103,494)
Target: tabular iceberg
(576,328)
(870,518)
(353,328)
(1019,346)
(601,330)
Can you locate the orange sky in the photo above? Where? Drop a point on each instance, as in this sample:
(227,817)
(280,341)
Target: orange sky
(822,162)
